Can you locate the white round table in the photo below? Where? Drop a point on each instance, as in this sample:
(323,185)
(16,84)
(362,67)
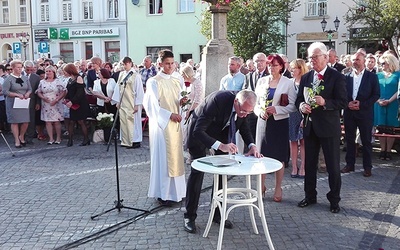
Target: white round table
(245,166)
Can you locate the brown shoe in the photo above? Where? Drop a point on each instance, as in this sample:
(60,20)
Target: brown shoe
(347,169)
(367,173)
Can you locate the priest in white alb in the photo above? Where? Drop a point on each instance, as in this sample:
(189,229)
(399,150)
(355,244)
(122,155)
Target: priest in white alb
(162,105)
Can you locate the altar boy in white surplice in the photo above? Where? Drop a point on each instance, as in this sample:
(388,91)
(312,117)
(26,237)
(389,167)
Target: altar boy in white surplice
(161,102)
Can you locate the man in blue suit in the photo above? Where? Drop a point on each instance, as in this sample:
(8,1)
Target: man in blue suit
(210,127)
(322,124)
(362,92)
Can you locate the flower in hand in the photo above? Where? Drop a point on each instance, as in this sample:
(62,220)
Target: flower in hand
(311,94)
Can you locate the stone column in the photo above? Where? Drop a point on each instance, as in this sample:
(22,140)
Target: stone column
(217,51)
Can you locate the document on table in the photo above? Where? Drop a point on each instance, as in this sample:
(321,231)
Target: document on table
(218,161)
(21,103)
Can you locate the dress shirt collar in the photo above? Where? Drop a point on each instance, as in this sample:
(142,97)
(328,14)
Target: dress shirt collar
(360,74)
(322,72)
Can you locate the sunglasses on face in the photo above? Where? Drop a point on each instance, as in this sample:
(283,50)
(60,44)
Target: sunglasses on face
(9,69)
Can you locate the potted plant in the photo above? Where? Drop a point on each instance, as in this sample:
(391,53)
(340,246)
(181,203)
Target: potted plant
(105,122)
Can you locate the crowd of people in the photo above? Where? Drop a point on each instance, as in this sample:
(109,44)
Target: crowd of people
(266,107)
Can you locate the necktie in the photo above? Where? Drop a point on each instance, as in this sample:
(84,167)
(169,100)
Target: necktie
(232,128)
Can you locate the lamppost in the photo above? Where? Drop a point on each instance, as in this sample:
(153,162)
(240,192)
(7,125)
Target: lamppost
(330,32)
(24,41)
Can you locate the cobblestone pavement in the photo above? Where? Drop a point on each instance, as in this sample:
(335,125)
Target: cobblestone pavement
(50,192)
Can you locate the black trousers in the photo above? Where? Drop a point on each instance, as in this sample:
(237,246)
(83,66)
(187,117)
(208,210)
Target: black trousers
(365,128)
(194,184)
(331,149)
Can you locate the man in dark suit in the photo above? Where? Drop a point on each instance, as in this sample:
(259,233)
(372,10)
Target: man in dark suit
(34,104)
(362,92)
(286,72)
(322,124)
(333,61)
(260,60)
(210,127)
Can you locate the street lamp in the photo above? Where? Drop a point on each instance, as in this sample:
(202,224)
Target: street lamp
(330,32)
(24,41)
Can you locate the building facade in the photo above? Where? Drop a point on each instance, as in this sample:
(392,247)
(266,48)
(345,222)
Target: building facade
(165,24)
(305,27)
(79,29)
(15,30)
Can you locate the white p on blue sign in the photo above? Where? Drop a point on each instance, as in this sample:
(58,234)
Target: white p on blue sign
(43,47)
(16,48)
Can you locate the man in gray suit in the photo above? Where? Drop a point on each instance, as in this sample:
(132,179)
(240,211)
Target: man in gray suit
(34,105)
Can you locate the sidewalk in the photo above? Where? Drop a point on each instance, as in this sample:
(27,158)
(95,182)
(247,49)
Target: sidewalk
(49,193)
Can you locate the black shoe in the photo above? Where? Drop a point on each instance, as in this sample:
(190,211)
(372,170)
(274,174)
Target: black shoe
(228,223)
(334,208)
(84,143)
(306,202)
(70,143)
(164,203)
(189,225)
(135,145)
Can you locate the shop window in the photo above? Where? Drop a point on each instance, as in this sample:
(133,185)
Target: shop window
(112,51)
(67,52)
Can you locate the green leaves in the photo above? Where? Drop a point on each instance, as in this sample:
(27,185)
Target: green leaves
(255,25)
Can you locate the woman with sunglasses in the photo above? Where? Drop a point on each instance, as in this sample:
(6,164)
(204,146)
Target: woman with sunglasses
(276,96)
(17,86)
(386,108)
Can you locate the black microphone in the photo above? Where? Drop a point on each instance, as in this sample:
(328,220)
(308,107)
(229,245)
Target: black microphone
(127,77)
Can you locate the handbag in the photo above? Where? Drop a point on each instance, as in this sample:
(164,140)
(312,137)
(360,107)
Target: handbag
(74,106)
(284,100)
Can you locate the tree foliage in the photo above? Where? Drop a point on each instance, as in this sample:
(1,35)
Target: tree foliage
(380,18)
(255,25)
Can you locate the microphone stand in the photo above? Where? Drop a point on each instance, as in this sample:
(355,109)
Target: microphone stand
(5,140)
(118,202)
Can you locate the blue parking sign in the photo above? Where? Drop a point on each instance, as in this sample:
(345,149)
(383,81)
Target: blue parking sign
(43,47)
(16,48)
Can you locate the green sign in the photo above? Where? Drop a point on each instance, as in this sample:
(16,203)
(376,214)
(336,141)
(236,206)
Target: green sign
(53,34)
(64,33)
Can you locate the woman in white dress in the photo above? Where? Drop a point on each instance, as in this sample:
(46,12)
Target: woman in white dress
(52,90)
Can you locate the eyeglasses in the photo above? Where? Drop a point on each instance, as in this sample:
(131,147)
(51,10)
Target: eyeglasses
(9,69)
(314,57)
(382,63)
(273,65)
(244,112)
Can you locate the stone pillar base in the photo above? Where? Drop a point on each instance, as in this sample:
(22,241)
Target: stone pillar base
(215,58)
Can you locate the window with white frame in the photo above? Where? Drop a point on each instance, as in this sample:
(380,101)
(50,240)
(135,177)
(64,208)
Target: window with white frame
(5,16)
(316,7)
(66,11)
(186,6)
(22,12)
(44,11)
(113,9)
(87,10)
(155,7)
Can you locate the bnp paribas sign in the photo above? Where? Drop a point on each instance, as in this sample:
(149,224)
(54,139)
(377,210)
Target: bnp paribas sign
(93,32)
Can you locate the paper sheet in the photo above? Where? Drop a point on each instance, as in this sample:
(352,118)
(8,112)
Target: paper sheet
(21,103)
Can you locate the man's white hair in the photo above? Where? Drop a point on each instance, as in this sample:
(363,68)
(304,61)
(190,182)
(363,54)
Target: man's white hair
(317,45)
